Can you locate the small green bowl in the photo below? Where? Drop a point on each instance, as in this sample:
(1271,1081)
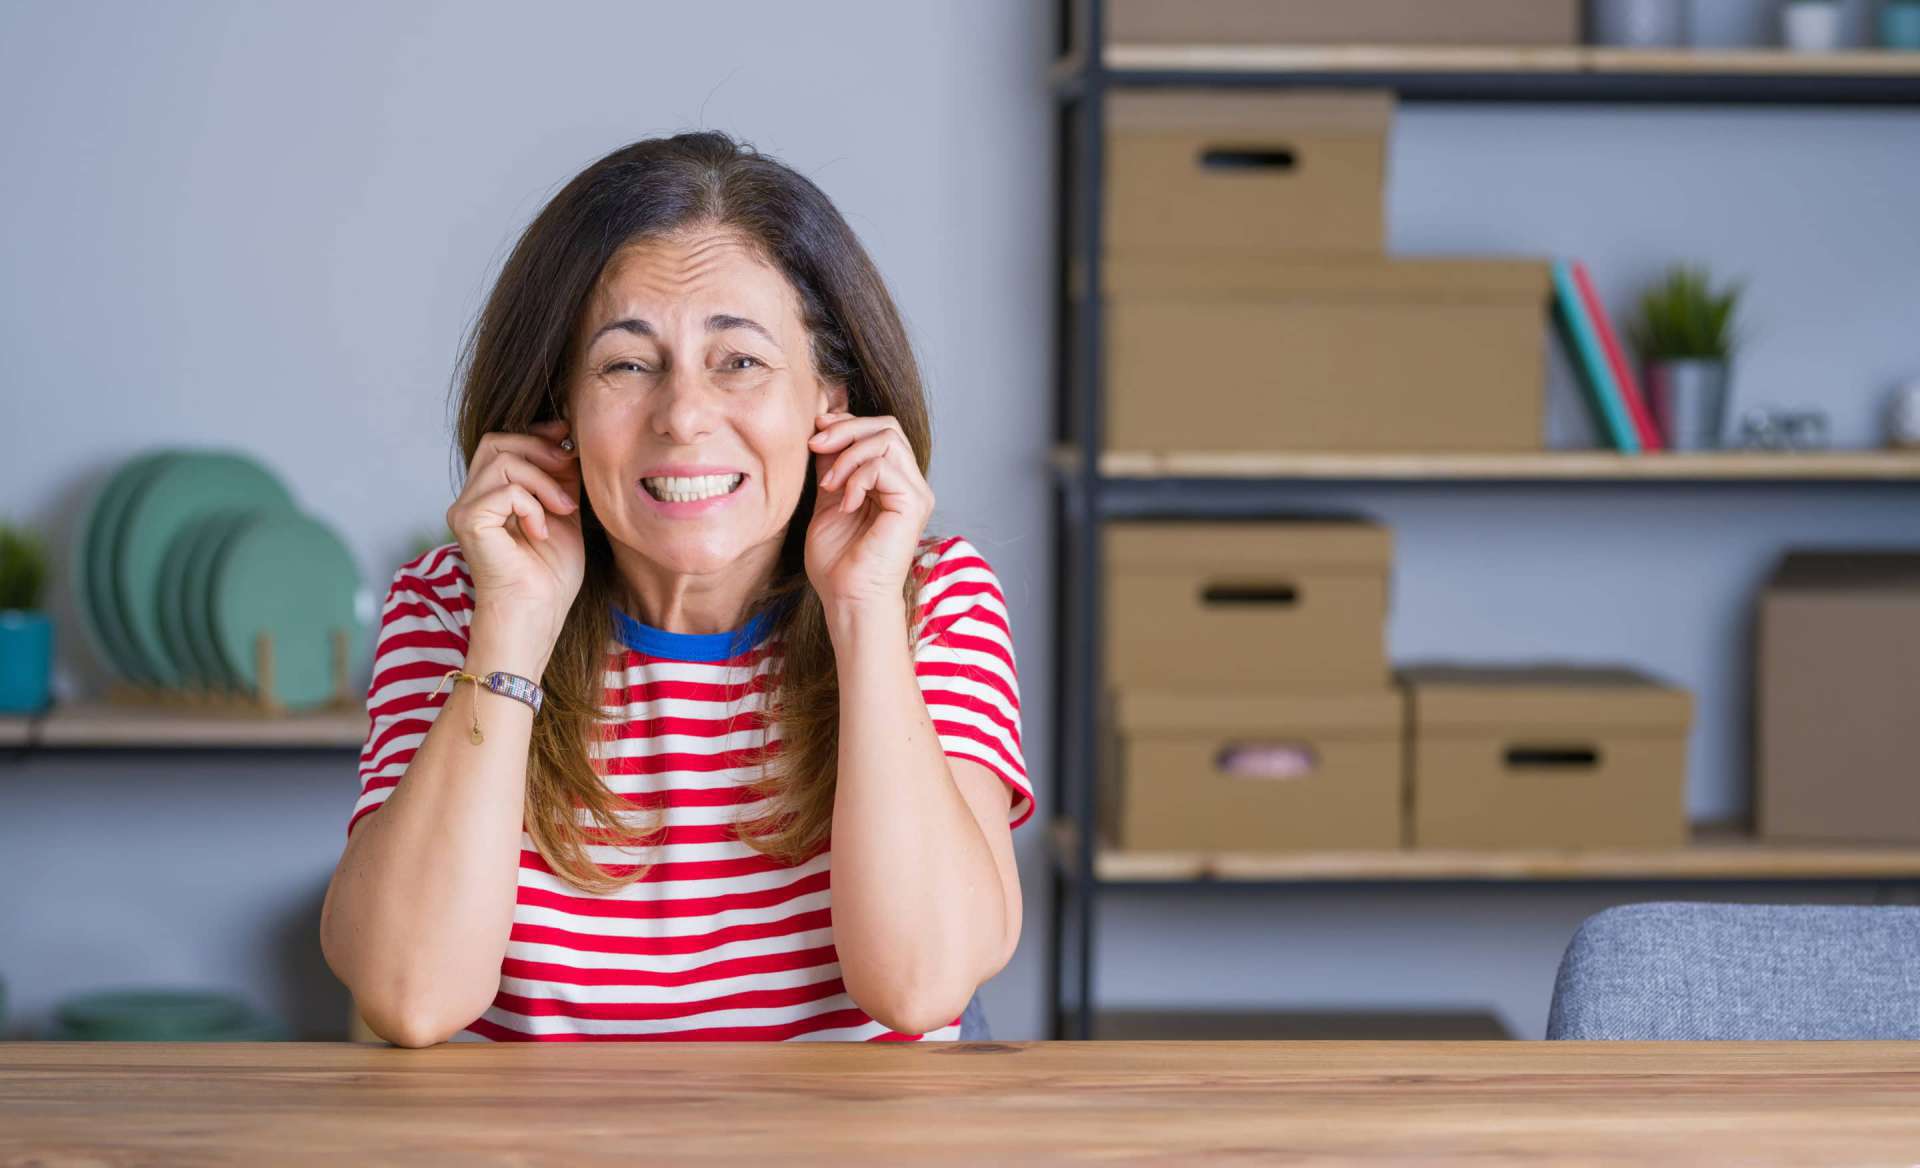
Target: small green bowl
(150,1015)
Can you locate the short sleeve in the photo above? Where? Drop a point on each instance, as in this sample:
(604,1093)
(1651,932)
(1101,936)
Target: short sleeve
(423,633)
(963,658)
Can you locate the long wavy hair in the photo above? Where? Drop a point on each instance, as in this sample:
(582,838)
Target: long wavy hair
(514,371)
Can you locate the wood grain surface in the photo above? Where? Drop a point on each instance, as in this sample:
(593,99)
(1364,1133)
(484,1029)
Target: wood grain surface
(962,1103)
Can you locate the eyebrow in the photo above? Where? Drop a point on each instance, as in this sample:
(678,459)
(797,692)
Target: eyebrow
(718,322)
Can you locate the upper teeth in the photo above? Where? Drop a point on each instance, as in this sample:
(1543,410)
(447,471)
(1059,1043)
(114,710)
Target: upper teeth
(679,489)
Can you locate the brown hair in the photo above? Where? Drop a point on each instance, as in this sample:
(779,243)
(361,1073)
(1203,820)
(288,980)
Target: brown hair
(514,372)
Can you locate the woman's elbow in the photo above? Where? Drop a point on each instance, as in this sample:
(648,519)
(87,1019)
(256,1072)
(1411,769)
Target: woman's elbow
(916,1017)
(416,1023)
(914,1010)
(412,1030)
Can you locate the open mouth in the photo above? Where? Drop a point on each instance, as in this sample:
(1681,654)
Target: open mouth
(678,489)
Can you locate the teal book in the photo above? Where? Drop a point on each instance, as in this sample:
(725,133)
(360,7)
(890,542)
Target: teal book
(1590,361)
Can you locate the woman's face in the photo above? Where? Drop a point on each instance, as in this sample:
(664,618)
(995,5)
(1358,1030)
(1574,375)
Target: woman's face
(693,399)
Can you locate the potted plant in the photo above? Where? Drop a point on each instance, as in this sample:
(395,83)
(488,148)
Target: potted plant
(1811,26)
(1684,334)
(26,633)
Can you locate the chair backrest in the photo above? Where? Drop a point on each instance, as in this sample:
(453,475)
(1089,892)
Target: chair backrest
(1737,972)
(973,1022)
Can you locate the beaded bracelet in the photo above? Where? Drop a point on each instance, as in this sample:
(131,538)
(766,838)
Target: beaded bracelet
(509,684)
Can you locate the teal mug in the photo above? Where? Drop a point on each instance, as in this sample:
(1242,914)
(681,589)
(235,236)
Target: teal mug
(1900,24)
(26,661)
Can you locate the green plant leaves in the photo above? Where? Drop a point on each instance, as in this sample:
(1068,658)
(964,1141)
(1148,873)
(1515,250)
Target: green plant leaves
(1684,317)
(23,568)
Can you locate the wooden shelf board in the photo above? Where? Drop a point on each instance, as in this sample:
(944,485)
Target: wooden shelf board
(1546,465)
(1374,59)
(105,725)
(1716,853)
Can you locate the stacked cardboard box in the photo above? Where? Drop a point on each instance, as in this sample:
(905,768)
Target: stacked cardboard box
(1349,22)
(1251,305)
(1253,707)
(1838,680)
(1545,757)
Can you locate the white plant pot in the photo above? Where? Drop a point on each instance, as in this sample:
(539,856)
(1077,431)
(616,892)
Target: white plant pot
(1811,26)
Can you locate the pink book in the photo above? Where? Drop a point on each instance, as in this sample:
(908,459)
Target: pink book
(1636,401)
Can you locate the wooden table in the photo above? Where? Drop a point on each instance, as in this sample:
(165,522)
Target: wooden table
(985,1103)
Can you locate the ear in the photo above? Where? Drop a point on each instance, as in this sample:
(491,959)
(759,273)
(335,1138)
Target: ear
(836,398)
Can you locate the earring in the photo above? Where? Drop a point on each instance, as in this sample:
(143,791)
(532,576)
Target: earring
(566,444)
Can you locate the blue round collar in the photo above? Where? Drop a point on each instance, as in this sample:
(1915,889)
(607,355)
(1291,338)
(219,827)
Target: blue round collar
(701,647)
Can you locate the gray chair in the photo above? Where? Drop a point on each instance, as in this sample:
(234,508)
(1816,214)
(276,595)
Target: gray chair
(973,1022)
(1736,972)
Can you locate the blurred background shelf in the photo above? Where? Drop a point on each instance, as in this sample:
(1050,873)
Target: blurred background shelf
(111,726)
(1522,73)
(1717,852)
(1532,467)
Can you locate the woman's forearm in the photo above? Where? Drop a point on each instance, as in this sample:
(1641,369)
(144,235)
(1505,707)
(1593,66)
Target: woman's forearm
(919,917)
(417,916)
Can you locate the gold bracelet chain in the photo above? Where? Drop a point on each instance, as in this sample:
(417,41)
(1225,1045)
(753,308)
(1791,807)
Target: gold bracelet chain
(457,676)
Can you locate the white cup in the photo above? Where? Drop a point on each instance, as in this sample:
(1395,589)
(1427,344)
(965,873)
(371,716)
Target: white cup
(1812,26)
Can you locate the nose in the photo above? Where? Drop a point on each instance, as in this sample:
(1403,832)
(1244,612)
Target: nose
(684,411)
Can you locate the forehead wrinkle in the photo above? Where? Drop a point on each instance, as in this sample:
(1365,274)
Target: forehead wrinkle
(671,268)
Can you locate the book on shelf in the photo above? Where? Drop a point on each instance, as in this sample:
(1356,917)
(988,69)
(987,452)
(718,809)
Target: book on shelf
(1629,386)
(1590,362)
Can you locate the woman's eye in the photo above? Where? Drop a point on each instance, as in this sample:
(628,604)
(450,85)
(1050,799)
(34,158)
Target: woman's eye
(626,367)
(740,362)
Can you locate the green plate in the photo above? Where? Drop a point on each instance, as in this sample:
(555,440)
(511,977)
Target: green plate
(80,571)
(180,492)
(208,537)
(183,598)
(173,623)
(94,554)
(289,576)
(254,1029)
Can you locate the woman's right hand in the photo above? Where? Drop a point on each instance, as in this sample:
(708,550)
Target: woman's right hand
(518,523)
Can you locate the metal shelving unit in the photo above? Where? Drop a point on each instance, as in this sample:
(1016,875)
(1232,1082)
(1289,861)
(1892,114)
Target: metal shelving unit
(1091,489)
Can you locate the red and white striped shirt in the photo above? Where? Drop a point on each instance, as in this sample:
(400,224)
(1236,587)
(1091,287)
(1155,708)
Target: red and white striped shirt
(716,941)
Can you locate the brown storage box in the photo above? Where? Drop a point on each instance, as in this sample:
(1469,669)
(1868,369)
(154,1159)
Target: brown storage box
(1260,603)
(1377,22)
(1408,356)
(1246,173)
(1550,757)
(1196,770)
(1838,703)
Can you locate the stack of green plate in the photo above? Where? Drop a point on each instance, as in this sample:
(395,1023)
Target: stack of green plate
(186,556)
(162,1016)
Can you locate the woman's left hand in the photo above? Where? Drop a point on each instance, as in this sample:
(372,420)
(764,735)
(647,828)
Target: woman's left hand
(871,505)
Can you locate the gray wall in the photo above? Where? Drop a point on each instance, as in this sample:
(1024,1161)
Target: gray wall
(267,228)
(268,225)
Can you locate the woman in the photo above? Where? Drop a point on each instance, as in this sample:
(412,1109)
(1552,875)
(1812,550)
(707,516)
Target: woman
(691,632)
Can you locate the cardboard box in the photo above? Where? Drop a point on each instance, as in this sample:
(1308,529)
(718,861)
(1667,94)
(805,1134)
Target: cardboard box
(1405,356)
(1253,770)
(1246,173)
(1546,757)
(1264,603)
(1838,698)
(1372,22)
